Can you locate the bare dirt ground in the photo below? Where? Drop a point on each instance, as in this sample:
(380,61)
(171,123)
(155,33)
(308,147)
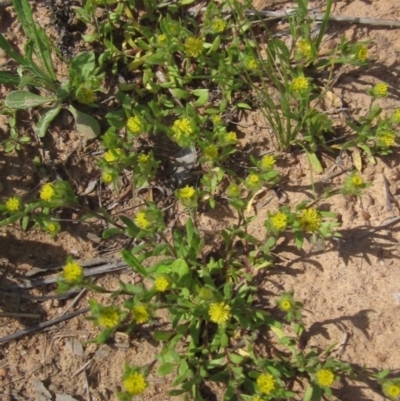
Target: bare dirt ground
(350,288)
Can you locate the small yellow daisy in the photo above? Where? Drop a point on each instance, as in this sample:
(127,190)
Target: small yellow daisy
(109,317)
(47,192)
(279,221)
(310,220)
(211,152)
(13,204)
(134,383)
(73,273)
(304,48)
(380,89)
(186,192)
(134,125)
(111,155)
(140,314)
(362,53)
(387,140)
(194,46)
(357,181)
(267,162)
(391,390)
(218,25)
(141,220)
(107,178)
(161,284)
(266,383)
(219,313)
(300,84)
(325,377)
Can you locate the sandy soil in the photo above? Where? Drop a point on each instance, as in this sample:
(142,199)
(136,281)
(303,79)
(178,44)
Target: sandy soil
(350,288)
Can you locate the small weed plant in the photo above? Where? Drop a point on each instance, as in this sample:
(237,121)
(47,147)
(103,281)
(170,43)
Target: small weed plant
(192,68)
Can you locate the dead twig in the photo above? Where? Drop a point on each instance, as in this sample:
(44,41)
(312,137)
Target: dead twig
(273,15)
(18,314)
(380,227)
(42,325)
(107,268)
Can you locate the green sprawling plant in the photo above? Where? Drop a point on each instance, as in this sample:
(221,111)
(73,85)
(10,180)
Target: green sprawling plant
(190,71)
(36,70)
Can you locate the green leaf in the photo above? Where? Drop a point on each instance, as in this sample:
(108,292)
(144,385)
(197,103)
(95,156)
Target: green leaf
(41,43)
(133,262)
(46,119)
(83,65)
(9,79)
(181,267)
(26,100)
(110,232)
(243,106)
(202,96)
(166,369)
(10,51)
(162,335)
(86,125)
(312,157)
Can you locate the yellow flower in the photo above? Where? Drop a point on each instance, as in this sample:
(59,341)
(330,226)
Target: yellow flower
(387,140)
(107,178)
(233,191)
(47,192)
(111,155)
(73,273)
(134,383)
(143,158)
(141,220)
(134,125)
(230,137)
(391,390)
(161,284)
(304,47)
(380,89)
(211,152)
(218,120)
(362,53)
(279,221)
(109,317)
(194,46)
(266,383)
(161,38)
(253,182)
(51,227)
(251,63)
(140,314)
(310,220)
(285,304)
(13,204)
(357,181)
(85,95)
(325,377)
(182,128)
(396,117)
(186,192)
(218,25)
(267,162)
(219,313)
(300,84)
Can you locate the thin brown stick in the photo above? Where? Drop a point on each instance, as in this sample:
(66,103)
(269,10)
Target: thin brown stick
(380,227)
(273,15)
(18,314)
(42,325)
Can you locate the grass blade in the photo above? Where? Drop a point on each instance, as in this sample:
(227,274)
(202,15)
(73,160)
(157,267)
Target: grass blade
(41,42)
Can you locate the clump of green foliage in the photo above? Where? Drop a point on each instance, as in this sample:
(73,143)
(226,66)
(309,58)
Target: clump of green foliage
(190,72)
